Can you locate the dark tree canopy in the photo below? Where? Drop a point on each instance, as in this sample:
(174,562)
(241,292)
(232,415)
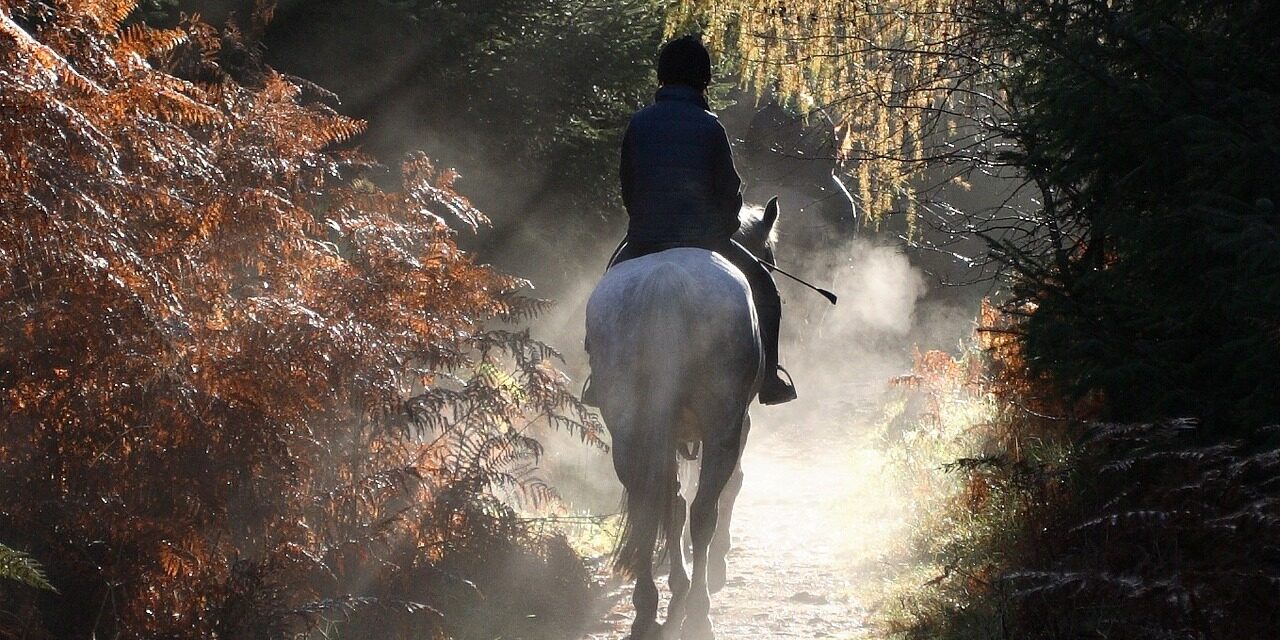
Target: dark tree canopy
(1152,131)
(533,92)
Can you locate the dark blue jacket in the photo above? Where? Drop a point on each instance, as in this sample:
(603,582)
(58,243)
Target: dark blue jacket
(678,179)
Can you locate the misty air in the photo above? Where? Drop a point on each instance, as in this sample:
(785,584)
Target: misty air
(639,319)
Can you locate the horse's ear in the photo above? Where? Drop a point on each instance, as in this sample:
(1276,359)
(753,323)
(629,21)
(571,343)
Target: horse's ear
(770,213)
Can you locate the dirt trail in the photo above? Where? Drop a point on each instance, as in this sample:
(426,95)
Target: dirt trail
(813,521)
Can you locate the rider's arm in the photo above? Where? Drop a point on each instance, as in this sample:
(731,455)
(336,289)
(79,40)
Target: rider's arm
(726,185)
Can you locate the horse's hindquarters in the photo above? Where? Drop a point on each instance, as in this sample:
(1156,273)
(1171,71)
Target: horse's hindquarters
(673,345)
(669,323)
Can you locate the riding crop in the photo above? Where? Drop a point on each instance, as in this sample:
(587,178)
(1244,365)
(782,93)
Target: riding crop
(831,297)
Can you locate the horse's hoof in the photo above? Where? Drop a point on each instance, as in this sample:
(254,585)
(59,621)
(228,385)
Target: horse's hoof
(697,630)
(671,628)
(668,631)
(651,632)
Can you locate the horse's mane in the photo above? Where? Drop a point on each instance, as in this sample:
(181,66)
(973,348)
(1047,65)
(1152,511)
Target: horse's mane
(751,229)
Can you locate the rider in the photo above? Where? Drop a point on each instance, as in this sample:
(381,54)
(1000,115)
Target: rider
(681,189)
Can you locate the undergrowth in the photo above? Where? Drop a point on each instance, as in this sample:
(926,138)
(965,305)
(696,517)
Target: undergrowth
(246,394)
(1033,521)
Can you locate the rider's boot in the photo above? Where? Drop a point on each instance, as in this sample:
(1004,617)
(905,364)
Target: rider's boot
(774,390)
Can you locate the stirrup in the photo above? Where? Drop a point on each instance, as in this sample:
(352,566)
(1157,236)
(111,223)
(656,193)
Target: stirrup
(775,390)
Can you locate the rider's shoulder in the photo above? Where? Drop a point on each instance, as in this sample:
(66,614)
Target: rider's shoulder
(659,113)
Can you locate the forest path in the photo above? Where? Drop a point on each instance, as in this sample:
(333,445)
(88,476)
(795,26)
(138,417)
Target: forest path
(814,522)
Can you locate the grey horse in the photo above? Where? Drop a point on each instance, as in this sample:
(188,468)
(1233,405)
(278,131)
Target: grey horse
(675,340)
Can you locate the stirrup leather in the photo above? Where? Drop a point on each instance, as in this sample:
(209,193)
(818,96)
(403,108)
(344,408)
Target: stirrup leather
(589,393)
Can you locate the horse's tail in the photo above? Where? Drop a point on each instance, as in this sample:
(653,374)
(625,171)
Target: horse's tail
(646,462)
(649,496)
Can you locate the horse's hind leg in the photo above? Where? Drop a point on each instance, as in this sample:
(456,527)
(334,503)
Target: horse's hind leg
(679,578)
(644,599)
(720,458)
(643,532)
(690,485)
(718,563)
(721,541)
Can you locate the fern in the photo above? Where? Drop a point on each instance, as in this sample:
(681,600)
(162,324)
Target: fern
(20,567)
(247,393)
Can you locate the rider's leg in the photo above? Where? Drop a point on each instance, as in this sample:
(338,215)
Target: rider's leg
(774,389)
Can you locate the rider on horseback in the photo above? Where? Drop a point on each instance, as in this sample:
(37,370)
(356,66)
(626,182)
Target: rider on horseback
(681,189)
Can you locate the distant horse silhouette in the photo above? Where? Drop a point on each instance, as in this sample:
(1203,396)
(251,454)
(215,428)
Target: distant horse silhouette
(675,345)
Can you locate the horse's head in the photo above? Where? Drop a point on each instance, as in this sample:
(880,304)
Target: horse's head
(757,229)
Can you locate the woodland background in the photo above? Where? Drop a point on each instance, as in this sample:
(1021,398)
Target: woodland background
(258,380)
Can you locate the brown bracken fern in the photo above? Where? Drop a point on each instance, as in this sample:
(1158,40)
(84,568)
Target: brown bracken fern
(242,393)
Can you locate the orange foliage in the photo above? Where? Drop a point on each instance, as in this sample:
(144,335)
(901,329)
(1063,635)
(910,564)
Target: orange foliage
(1024,406)
(1034,396)
(236,384)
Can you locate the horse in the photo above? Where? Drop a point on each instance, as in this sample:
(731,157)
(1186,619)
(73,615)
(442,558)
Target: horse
(675,345)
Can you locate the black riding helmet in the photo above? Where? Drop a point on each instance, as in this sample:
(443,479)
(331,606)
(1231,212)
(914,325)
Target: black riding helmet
(685,61)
